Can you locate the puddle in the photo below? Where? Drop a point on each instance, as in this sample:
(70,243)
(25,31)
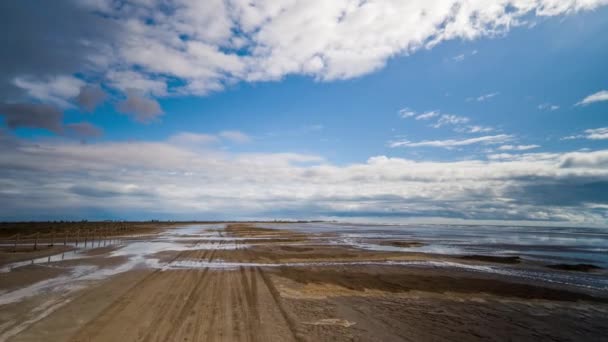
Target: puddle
(138,253)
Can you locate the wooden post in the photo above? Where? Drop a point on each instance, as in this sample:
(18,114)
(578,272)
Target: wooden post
(65,237)
(16,242)
(36,241)
(77,236)
(52,239)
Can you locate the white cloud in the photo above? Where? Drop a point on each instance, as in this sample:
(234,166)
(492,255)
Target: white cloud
(155,178)
(597,133)
(450,119)
(517,147)
(548,107)
(484,97)
(591,134)
(451,143)
(406,113)
(586,160)
(596,97)
(445,120)
(193,47)
(124,80)
(459,58)
(474,129)
(427,115)
(56,90)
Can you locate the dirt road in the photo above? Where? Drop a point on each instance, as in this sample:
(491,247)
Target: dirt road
(193,306)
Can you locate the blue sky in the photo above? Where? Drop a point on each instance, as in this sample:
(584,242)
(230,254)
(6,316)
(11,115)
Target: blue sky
(527,67)
(466,113)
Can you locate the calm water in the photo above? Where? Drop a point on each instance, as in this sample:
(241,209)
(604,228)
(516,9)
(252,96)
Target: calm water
(550,244)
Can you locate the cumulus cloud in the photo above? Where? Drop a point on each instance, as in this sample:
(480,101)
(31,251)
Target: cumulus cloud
(139,107)
(164,180)
(193,47)
(28,115)
(600,96)
(54,90)
(451,143)
(597,133)
(90,96)
(593,160)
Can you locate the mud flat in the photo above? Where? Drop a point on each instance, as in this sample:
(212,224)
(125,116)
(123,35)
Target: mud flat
(243,282)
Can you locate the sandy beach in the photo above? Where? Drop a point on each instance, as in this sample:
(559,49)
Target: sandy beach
(246,282)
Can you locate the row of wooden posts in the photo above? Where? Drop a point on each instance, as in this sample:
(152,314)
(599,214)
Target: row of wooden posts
(88,235)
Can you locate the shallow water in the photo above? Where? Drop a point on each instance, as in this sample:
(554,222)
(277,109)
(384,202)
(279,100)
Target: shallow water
(138,251)
(549,244)
(552,245)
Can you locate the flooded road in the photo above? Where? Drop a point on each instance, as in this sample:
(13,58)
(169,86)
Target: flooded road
(243,282)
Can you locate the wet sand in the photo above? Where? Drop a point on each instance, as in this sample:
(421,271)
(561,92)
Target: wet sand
(256,284)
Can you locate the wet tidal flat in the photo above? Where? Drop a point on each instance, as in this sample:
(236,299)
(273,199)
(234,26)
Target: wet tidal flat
(308,282)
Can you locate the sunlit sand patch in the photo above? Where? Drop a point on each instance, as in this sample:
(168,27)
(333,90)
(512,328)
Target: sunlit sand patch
(322,291)
(332,321)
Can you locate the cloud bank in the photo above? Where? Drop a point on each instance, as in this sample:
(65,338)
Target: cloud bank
(169,180)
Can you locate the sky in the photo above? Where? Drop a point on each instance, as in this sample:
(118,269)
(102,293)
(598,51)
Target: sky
(434,111)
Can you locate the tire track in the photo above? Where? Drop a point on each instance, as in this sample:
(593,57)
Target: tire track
(104,319)
(196,305)
(201,284)
(180,308)
(276,296)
